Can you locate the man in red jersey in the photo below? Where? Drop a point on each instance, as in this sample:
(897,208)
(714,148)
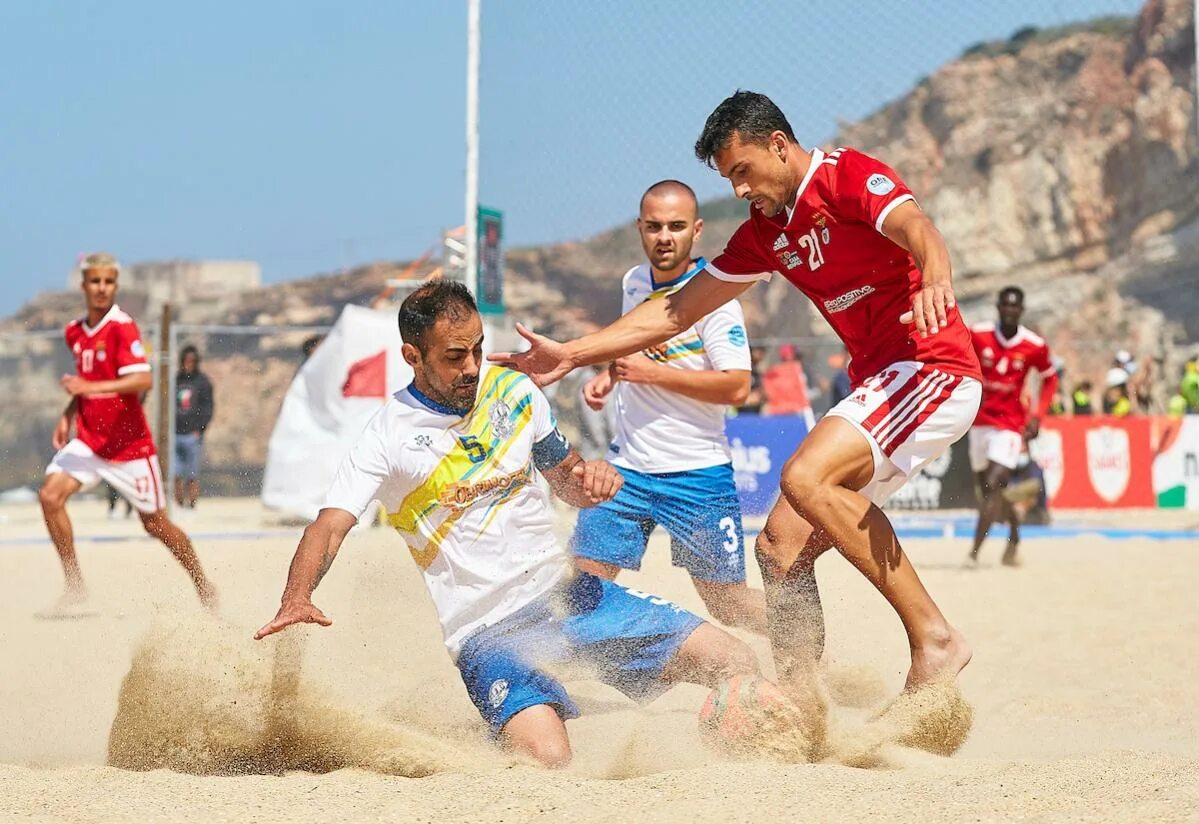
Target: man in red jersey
(1009,353)
(846,231)
(112,440)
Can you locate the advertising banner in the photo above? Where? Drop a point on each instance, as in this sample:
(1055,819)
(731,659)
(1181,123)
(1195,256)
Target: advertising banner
(1176,462)
(761,445)
(1096,463)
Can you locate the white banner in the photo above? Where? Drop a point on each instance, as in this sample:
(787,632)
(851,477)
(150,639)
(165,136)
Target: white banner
(354,370)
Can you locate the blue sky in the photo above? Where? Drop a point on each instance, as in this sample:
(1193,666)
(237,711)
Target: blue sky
(312,136)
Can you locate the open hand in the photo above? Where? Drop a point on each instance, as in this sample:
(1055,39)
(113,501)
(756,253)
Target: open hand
(930,308)
(545,361)
(301,612)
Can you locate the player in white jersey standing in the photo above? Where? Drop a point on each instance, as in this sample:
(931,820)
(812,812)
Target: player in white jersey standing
(670,444)
(453,458)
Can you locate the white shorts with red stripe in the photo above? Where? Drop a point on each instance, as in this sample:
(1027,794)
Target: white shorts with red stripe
(989,444)
(910,413)
(139,482)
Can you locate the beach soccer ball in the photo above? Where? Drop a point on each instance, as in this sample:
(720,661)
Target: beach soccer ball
(740,711)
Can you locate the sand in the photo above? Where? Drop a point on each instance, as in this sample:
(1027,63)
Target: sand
(1083,693)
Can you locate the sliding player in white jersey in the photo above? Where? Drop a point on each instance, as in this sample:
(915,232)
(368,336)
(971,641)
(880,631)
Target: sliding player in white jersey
(670,445)
(453,459)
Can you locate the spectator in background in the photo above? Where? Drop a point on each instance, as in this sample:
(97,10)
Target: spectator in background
(786,385)
(1189,387)
(756,397)
(839,390)
(1115,397)
(1080,399)
(193,413)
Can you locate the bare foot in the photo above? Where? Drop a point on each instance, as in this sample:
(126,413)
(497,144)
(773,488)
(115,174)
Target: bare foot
(1011,559)
(971,562)
(945,657)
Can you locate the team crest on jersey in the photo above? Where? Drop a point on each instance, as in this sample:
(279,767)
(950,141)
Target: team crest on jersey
(500,415)
(789,259)
(780,242)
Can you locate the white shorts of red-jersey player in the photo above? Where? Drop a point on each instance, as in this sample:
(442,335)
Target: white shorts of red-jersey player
(139,481)
(990,444)
(909,413)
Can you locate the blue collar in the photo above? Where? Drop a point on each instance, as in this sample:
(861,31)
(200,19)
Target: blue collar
(683,278)
(439,408)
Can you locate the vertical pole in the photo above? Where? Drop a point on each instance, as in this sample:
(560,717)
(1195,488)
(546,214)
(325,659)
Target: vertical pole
(471,235)
(168,471)
(166,402)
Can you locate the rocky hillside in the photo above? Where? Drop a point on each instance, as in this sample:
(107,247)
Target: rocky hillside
(1061,160)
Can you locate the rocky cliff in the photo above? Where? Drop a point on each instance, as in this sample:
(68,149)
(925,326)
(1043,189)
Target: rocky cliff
(1062,160)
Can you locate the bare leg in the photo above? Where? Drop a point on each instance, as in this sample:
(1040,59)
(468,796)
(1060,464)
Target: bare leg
(597,568)
(1011,552)
(734,604)
(173,538)
(53,496)
(993,506)
(819,482)
(787,549)
(539,733)
(179,491)
(193,492)
(708,656)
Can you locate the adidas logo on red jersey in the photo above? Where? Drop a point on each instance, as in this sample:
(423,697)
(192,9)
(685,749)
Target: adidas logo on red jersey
(781,242)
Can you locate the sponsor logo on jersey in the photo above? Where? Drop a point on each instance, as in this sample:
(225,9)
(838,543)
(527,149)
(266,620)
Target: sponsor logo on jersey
(497,693)
(879,184)
(460,495)
(423,440)
(1109,462)
(500,416)
(136,348)
(790,259)
(840,304)
(737,335)
(780,242)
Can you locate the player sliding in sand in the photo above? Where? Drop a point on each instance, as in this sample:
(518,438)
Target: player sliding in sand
(847,232)
(112,439)
(453,458)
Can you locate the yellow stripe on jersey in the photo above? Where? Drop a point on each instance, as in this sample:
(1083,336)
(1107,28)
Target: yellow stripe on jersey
(448,487)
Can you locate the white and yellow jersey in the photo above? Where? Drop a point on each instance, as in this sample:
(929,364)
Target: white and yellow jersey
(461,490)
(662,431)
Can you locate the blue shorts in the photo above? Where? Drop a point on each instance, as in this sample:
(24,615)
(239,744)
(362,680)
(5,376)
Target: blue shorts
(699,508)
(624,637)
(189,448)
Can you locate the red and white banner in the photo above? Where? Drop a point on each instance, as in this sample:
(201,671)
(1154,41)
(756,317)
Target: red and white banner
(1093,463)
(354,370)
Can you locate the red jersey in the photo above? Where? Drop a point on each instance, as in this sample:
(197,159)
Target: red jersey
(831,247)
(1006,363)
(113,426)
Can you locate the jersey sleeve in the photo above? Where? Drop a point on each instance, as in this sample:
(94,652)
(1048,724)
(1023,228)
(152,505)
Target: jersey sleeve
(1042,362)
(131,355)
(868,189)
(365,474)
(743,259)
(724,338)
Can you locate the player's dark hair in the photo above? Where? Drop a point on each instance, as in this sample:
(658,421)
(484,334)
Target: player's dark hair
(428,304)
(751,116)
(189,350)
(1011,294)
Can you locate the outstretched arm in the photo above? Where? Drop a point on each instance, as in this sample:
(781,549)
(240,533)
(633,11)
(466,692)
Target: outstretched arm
(652,322)
(318,547)
(728,387)
(912,229)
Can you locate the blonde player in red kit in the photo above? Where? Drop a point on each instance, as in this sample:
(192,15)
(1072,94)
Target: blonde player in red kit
(844,229)
(112,440)
(1009,353)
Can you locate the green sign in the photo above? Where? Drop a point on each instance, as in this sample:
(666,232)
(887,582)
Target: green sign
(489,291)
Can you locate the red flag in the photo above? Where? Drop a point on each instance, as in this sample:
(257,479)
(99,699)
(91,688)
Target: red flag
(367,378)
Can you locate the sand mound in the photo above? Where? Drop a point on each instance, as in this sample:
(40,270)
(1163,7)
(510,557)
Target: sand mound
(202,697)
